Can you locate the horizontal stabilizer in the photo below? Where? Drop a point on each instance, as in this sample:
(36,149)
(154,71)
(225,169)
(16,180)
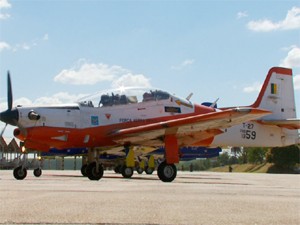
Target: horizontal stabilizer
(292,124)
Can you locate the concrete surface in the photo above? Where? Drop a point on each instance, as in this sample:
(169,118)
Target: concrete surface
(193,198)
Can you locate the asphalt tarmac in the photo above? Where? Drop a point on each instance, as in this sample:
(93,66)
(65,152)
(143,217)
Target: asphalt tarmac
(65,197)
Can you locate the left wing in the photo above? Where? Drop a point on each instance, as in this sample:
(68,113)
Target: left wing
(195,128)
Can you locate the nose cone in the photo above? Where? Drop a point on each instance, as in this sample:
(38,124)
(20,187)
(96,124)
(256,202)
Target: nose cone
(10,117)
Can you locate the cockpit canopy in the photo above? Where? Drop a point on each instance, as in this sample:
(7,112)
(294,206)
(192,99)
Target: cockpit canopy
(123,96)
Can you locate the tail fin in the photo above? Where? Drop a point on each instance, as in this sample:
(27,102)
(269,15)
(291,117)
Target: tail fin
(277,129)
(277,95)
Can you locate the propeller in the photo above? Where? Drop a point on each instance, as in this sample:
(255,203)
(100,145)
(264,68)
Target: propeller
(9,92)
(10,116)
(2,132)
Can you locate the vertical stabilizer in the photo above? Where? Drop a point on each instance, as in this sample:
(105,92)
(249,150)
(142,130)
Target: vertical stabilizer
(274,130)
(277,95)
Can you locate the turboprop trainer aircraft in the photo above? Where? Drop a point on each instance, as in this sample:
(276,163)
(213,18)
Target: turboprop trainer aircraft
(137,117)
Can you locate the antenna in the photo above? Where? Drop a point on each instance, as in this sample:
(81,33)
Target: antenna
(214,103)
(189,96)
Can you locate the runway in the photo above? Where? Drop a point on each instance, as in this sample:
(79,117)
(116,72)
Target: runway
(65,197)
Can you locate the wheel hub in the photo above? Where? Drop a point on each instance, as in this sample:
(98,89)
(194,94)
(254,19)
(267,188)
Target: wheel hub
(168,171)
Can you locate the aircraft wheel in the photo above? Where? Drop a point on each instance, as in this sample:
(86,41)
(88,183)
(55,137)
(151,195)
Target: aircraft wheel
(20,173)
(83,170)
(127,172)
(37,172)
(166,172)
(118,169)
(149,170)
(139,170)
(92,172)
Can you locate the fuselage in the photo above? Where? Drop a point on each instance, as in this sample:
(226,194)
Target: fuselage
(88,123)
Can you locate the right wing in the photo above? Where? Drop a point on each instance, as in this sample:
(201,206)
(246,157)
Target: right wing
(188,129)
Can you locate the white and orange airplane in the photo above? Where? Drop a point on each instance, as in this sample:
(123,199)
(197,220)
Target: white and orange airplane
(138,117)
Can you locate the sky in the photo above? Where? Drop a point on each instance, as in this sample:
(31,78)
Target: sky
(58,51)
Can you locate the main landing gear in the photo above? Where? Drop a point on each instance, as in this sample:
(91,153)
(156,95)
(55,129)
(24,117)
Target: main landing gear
(166,172)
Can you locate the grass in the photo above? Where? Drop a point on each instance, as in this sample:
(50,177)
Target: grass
(252,168)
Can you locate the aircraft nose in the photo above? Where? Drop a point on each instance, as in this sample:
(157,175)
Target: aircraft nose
(10,116)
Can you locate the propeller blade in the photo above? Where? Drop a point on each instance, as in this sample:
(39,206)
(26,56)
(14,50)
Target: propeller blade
(2,132)
(9,92)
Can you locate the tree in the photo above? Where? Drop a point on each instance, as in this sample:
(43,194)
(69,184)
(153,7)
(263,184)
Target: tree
(256,155)
(243,157)
(239,155)
(233,160)
(223,159)
(284,157)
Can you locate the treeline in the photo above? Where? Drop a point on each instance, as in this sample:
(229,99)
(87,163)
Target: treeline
(283,159)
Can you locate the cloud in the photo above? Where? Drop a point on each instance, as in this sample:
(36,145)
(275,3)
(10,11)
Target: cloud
(84,73)
(58,98)
(255,87)
(4,4)
(240,15)
(131,80)
(24,45)
(291,21)
(89,73)
(22,101)
(183,64)
(55,99)
(297,82)
(31,44)
(4,16)
(45,37)
(292,59)
(4,46)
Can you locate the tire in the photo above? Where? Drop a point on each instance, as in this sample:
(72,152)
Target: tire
(83,170)
(92,173)
(166,172)
(37,172)
(139,170)
(118,169)
(20,173)
(127,172)
(149,170)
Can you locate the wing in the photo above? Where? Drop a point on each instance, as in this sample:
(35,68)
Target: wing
(189,130)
